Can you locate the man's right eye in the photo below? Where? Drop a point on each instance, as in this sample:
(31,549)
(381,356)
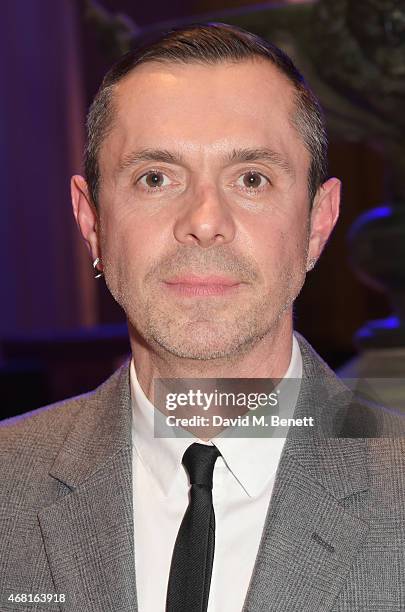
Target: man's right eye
(153,181)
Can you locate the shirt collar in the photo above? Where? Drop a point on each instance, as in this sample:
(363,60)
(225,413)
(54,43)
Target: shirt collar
(252,461)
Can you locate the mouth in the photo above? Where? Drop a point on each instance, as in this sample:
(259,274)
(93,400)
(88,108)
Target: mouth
(202,286)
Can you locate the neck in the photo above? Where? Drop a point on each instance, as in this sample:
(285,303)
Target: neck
(267,358)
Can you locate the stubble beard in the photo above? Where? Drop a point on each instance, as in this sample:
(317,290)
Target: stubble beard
(206,331)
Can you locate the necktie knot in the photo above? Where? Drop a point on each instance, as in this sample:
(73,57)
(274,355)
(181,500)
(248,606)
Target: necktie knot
(199,461)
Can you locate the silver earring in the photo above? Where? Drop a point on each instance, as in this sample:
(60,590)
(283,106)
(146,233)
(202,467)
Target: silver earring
(95,262)
(311,264)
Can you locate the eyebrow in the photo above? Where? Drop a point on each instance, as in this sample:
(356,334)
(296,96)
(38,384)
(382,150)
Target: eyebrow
(234,156)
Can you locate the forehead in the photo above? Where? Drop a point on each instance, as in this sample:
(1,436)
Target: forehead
(203,109)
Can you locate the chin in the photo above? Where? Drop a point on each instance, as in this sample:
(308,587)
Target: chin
(197,346)
(197,353)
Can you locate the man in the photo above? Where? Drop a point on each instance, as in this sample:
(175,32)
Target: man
(205,202)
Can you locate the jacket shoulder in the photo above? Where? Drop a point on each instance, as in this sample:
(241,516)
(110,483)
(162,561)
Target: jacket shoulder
(347,411)
(47,426)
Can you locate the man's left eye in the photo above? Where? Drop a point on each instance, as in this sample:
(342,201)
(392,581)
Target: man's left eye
(253,180)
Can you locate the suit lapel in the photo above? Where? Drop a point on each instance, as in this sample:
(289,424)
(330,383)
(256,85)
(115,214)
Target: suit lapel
(310,540)
(88,532)
(308,545)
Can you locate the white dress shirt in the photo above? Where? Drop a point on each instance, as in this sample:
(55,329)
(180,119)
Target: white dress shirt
(242,486)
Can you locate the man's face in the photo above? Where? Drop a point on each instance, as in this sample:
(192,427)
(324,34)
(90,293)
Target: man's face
(206,214)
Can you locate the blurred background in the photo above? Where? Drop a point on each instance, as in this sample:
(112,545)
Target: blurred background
(61,333)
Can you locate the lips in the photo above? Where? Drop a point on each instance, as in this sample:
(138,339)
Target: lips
(198,286)
(195,280)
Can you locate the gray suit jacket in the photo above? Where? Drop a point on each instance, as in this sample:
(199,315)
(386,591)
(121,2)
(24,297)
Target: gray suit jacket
(333,539)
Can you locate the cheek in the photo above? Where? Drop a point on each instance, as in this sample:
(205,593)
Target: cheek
(125,238)
(280,251)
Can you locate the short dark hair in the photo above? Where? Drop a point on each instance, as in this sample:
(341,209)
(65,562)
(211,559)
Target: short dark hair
(208,43)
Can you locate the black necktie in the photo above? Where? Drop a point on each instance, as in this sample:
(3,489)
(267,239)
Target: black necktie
(193,554)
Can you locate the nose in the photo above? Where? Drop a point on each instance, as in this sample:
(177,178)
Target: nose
(205,221)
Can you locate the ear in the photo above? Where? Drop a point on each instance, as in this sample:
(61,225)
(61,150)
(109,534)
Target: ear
(86,215)
(324,214)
